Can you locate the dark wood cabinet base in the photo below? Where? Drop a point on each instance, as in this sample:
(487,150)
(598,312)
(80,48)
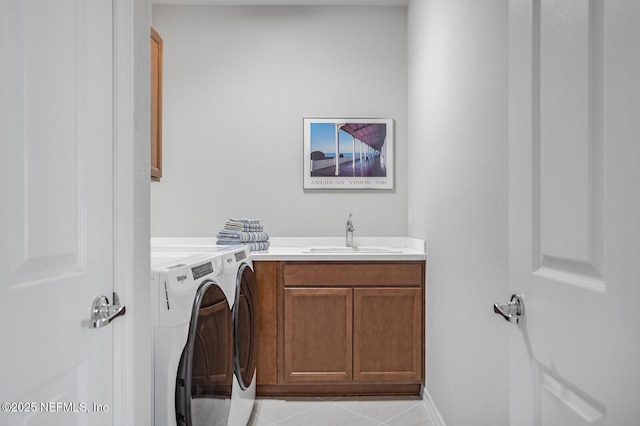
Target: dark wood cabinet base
(340,328)
(340,389)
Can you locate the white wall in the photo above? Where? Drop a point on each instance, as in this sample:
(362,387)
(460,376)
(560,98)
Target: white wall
(238,82)
(457,53)
(138,349)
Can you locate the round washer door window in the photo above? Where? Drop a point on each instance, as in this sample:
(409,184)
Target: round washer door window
(245,317)
(205,373)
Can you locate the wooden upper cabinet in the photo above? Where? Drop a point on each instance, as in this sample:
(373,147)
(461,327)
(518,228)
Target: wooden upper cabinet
(156,106)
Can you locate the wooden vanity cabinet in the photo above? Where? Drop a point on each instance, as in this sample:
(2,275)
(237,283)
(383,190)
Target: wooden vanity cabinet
(345,328)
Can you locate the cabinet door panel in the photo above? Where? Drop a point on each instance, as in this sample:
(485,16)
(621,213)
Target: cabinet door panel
(353,274)
(388,334)
(317,334)
(156,106)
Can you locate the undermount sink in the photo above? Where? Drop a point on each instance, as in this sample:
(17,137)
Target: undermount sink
(352,250)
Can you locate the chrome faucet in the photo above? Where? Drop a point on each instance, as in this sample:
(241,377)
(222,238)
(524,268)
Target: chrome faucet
(350,229)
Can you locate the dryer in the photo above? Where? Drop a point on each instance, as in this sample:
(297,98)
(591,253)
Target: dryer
(193,340)
(239,276)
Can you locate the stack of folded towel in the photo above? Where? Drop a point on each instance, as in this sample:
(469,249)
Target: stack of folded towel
(244,231)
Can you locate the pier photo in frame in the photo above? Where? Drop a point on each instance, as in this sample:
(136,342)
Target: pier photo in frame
(348,153)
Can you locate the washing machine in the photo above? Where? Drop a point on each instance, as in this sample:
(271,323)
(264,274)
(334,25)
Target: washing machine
(192,339)
(240,279)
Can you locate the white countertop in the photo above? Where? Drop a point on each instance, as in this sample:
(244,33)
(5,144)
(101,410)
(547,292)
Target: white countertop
(301,248)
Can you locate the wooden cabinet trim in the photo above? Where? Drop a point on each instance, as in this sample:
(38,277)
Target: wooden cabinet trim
(267,369)
(352,274)
(342,388)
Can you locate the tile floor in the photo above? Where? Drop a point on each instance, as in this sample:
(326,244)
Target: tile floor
(361,411)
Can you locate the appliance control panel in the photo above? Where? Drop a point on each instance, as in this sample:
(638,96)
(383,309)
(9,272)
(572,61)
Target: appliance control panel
(200,271)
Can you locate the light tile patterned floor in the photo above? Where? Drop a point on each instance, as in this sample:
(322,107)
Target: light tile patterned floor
(361,411)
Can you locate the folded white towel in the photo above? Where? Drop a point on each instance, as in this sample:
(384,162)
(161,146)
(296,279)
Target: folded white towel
(245,228)
(240,236)
(248,225)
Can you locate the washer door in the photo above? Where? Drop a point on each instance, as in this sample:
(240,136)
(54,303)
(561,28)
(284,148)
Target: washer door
(205,373)
(245,319)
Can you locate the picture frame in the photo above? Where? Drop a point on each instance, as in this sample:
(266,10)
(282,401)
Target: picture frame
(364,148)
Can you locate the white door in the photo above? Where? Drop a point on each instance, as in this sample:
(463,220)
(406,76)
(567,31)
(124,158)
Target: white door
(575,211)
(56,239)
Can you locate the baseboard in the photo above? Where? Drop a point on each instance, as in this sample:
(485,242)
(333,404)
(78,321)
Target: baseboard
(432,410)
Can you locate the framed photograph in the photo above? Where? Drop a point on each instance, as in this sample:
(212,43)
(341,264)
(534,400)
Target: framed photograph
(348,153)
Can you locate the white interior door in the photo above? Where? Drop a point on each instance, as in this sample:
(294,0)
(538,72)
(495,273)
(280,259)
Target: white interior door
(575,211)
(56,182)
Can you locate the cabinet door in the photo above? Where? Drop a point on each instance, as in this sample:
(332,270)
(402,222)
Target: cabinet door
(156,106)
(317,334)
(388,330)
